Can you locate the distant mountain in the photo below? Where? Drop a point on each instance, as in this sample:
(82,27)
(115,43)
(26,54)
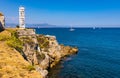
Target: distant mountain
(44,25)
(10,25)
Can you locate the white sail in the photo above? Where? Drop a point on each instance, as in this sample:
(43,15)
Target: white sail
(71,29)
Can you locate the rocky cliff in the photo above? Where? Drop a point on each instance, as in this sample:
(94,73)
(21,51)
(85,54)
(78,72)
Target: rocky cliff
(12,64)
(41,51)
(2,22)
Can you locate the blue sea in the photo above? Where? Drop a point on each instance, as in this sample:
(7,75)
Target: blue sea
(98,56)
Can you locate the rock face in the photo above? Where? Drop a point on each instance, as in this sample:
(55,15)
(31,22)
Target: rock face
(32,52)
(42,51)
(12,64)
(39,52)
(28,37)
(2,21)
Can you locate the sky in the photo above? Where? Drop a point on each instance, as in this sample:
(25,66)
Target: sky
(64,12)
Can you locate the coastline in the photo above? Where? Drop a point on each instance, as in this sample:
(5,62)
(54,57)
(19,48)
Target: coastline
(41,51)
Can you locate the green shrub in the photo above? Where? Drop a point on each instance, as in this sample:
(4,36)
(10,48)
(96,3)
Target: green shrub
(43,42)
(30,67)
(46,44)
(14,42)
(17,26)
(4,37)
(40,56)
(27,40)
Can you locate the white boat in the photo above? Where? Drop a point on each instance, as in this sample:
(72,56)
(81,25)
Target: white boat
(71,29)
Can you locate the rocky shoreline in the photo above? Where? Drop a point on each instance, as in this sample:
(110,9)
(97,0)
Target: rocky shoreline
(41,51)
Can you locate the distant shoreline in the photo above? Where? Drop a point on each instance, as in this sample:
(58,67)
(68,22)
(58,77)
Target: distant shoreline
(65,27)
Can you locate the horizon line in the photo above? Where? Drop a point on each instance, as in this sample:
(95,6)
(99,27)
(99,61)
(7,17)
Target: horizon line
(70,25)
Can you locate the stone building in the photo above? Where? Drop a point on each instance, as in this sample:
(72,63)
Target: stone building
(2,21)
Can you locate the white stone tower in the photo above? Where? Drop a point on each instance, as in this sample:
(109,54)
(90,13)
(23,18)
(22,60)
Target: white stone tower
(22,17)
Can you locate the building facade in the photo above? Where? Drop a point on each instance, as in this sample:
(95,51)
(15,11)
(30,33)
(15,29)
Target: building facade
(22,17)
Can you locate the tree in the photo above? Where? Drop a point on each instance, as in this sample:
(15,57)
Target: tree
(17,26)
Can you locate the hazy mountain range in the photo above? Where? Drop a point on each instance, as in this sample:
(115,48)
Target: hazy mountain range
(43,25)
(46,25)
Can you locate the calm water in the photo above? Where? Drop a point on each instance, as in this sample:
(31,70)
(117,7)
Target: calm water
(98,57)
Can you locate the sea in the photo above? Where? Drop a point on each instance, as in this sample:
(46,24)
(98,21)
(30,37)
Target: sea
(98,55)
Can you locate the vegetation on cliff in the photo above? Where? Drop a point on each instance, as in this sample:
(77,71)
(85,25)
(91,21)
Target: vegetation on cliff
(12,64)
(40,56)
(43,42)
(41,51)
(11,38)
(54,50)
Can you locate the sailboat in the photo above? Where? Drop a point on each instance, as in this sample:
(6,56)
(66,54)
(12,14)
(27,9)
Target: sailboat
(71,29)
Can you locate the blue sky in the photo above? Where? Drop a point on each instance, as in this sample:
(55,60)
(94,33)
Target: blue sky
(64,12)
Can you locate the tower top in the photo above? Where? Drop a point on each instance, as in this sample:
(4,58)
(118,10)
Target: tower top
(21,7)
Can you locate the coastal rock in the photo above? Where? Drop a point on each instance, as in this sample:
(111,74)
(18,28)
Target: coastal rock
(67,50)
(30,44)
(2,22)
(12,64)
(44,64)
(54,50)
(41,51)
(32,52)
(42,71)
